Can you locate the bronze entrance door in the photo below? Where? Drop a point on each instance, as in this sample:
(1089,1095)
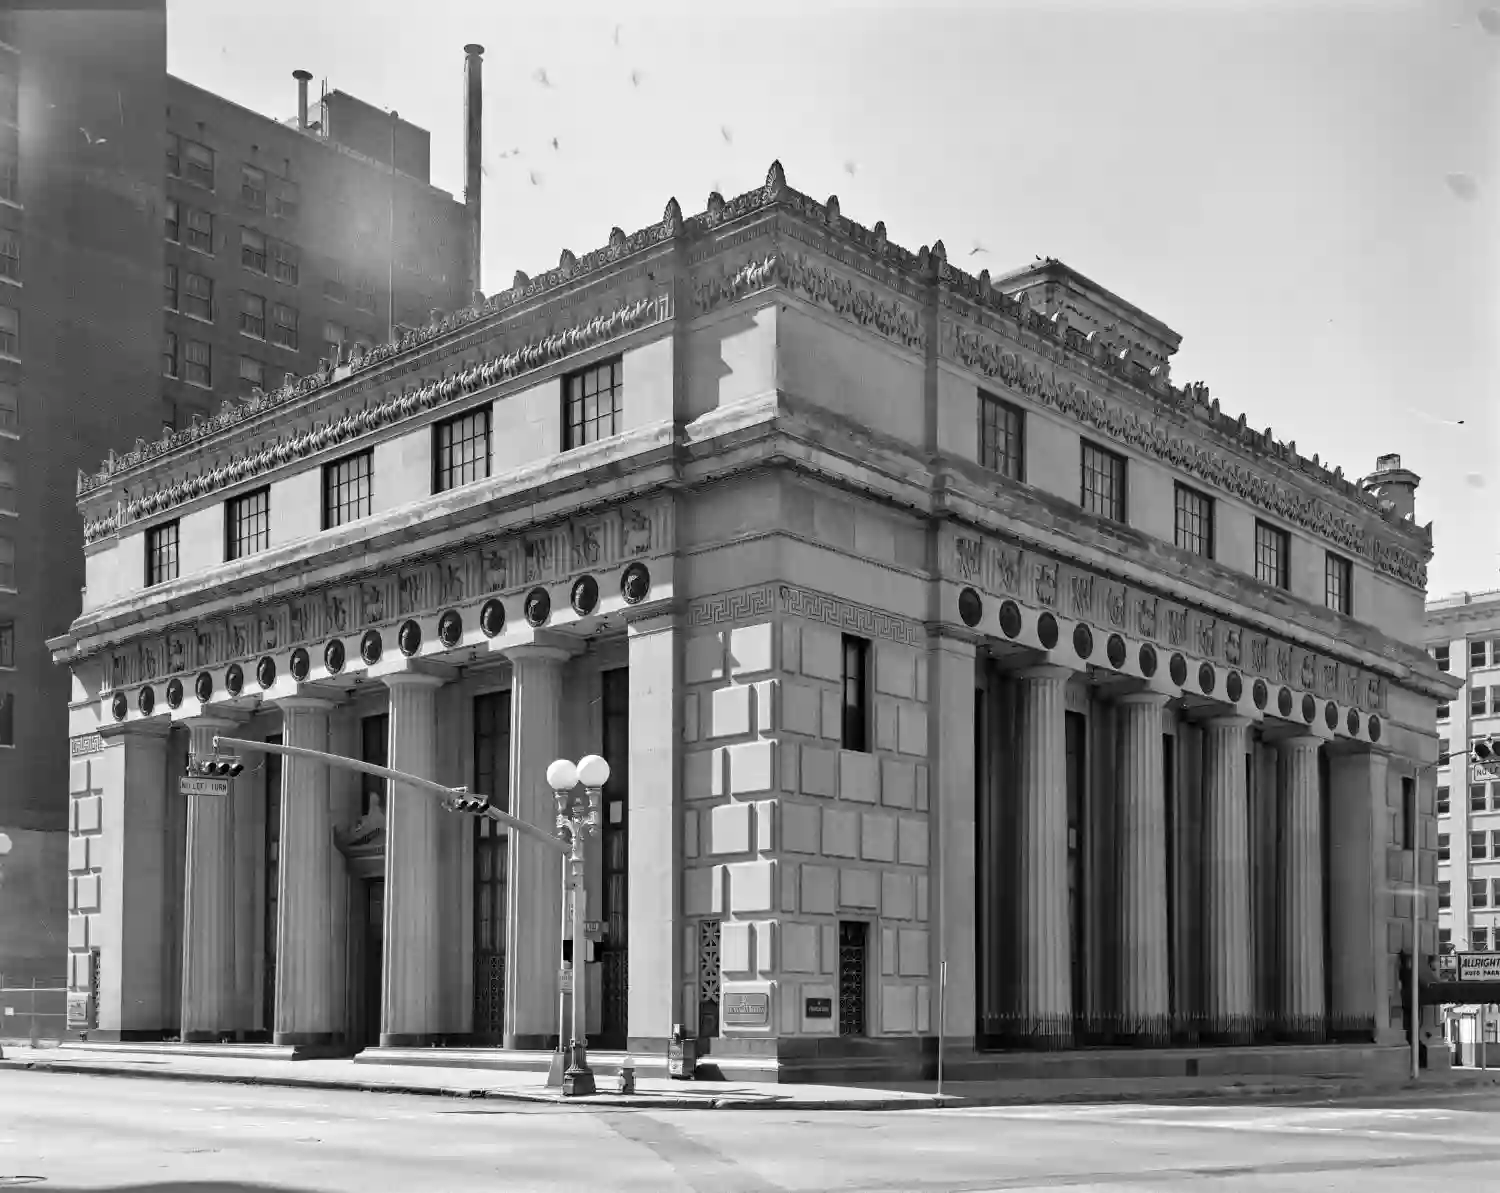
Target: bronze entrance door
(273,887)
(612,954)
(374,952)
(491,865)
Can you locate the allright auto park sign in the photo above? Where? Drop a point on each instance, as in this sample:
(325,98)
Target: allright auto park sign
(1478,967)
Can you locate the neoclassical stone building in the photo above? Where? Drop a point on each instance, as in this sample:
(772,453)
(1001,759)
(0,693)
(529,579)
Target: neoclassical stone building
(927,626)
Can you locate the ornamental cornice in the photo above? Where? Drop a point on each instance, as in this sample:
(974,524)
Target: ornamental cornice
(296,445)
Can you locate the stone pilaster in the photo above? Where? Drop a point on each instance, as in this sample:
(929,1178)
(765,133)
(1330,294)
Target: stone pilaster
(1229,994)
(410,1007)
(655,795)
(1301,1009)
(1045,988)
(951,683)
(1359,953)
(1141,826)
(533,911)
(304,1011)
(209,997)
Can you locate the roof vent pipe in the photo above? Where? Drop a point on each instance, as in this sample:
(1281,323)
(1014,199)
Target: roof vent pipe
(303,77)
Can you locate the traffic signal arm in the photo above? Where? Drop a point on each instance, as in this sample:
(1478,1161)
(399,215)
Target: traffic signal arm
(369,768)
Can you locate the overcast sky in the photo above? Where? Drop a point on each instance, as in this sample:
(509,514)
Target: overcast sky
(1306,192)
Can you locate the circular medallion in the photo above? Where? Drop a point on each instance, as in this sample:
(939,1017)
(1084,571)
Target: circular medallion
(265,672)
(174,693)
(1177,670)
(145,700)
(1284,702)
(584,596)
(1331,715)
(203,687)
(1374,728)
(450,628)
(1146,656)
(492,618)
(409,638)
(1010,618)
(1234,687)
(1083,641)
(1260,694)
(538,606)
(1352,722)
(1309,708)
(1206,678)
(1046,631)
(635,583)
(970,607)
(301,664)
(333,656)
(1114,650)
(371,647)
(234,679)
(119,706)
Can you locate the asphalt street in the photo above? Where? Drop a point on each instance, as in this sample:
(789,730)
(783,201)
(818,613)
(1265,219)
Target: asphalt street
(62,1132)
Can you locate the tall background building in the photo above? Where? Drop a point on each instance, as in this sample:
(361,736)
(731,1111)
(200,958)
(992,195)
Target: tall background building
(162,250)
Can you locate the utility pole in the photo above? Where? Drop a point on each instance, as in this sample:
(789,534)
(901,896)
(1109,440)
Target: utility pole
(390,256)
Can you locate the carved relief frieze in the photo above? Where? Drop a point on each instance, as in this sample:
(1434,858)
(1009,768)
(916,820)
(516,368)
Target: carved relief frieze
(1034,579)
(551,555)
(994,360)
(794,601)
(897,321)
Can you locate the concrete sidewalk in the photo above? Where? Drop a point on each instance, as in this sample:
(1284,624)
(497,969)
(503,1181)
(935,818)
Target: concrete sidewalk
(660,1093)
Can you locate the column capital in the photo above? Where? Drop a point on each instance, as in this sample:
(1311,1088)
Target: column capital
(1297,739)
(1147,698)
(653,618)
(1049,671)
(1220,720)
(954,639)
(154,729)
(537,652)
(218,719)
(414,679)
(305,704)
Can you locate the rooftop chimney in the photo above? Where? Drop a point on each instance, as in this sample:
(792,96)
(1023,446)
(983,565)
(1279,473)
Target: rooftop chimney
(473,154)
(1393,483)
(303,77)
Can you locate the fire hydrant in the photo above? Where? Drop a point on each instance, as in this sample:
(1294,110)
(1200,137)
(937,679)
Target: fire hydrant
(627,1075)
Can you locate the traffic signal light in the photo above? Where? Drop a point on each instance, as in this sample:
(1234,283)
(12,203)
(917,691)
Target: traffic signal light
(215,767)
(1484,751)
(472,805)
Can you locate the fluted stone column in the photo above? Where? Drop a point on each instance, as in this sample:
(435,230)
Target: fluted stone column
(534,897)
(1229,994)
(410,1007)
(1046,980)
(304,1012)
(208,895)
(1362,969)
(1141,824)
(1302,1008)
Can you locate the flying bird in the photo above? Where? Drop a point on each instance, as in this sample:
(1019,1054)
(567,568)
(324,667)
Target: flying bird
(536,179)
(635,78)
(555,145)
(509,153)
(849,168)
(91,139)
(978,249)
(541,77)
(726,134)
(1447,422)
(1463,186)
(617,34)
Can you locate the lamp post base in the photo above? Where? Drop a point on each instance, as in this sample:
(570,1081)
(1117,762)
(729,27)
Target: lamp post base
(578,1081)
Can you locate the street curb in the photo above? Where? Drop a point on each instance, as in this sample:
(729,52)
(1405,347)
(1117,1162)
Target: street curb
(739,1102)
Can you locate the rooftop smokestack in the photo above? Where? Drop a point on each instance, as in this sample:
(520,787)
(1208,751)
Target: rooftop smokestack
(473,154)
(303,77)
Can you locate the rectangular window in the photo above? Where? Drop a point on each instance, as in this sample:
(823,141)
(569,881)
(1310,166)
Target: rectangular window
(856,673)
(247,524)
(1273,548)
(1479,937)
(253,315)
(1440,656)
(364,295)
(10,331)
(347,494)
(1102,487)
(334,286)
(373,738)
(174,222)
(1478,702)
(1444,896)
(169,354)
(1002,437)
(286,268)
(287,200)
(334,337)
(174,156)
(253,187)
(7,719)
(462,452)
(10,407)
(1445,935)
(7,644)
(1443,751)
(198,297)
(1495,843)
(1442,712)
(7,563)
(197,363)
(1442,847)
(161,553)
(1338,583)
(1193,520)
(200,163)
(1479,892)
(1442,801)
(7,487)
(1477,845)
(252,373)
(253,250)
(593,404)
(1478,797)
(10,255)
(169,292)
(284,329)
(10,173)
(1478,654)
(200,230)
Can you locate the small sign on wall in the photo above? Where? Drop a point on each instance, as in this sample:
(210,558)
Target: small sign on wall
(745,1010)
(78,1010)
(818,1008)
